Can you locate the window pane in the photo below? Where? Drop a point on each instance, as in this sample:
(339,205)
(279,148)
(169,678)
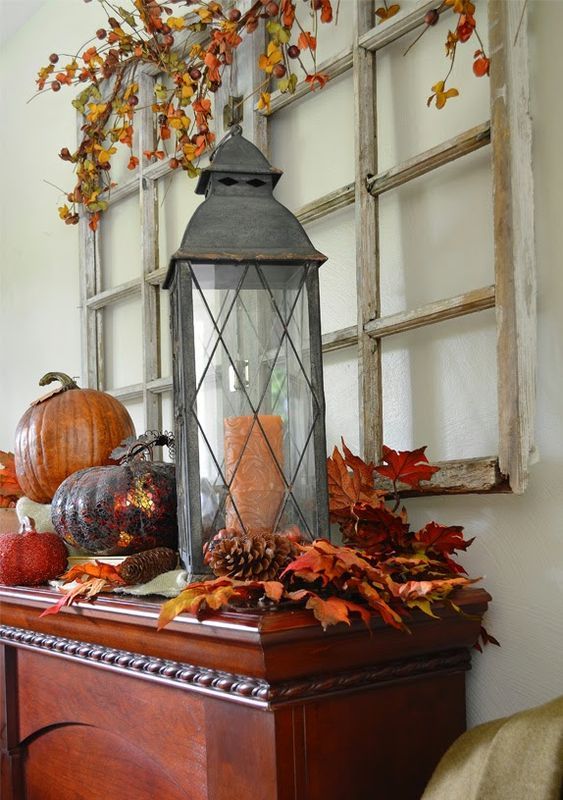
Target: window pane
(313,142)
(120,242)
(439,388)
(122,336)
(406,126)
(331,39)
(335,236)
(135,408)
(436,235)
(341,395)
(176,204)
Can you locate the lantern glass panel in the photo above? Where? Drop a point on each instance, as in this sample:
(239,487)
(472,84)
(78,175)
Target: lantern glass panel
(254,406)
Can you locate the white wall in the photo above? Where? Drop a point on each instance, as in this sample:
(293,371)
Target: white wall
(435,242)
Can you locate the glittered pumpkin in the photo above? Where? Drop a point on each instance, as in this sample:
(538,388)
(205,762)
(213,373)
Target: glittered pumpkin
(65,431)
(119,509)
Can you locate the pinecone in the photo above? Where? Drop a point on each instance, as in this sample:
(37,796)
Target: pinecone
(255,556)
(143,567)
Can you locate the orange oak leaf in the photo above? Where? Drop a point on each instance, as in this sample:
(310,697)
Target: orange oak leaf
(95,569)
(375,601)
(359,466)
(343,487)
(214,594)
(406,466)
(88,588)
(346,488)
(430,590)
(332,610)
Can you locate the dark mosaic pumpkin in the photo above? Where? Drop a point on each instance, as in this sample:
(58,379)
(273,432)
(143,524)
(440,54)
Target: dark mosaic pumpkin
(118,510)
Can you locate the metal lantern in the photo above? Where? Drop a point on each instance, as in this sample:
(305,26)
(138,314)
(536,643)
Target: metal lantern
(247,361)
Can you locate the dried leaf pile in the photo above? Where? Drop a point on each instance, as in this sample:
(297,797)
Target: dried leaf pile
(384,568)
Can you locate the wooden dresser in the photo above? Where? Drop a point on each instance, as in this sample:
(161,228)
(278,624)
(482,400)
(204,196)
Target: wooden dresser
(96,704)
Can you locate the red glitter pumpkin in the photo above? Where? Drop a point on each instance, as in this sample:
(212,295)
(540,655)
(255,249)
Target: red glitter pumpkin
(121,509)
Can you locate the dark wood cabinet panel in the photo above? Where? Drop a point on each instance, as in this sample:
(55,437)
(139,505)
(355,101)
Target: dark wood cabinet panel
(96,703)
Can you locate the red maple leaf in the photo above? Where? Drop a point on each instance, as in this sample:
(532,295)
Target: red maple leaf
(374,526)
(406,466)
(442,538)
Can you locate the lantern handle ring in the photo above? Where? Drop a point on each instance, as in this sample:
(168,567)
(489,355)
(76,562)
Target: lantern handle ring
(234,130)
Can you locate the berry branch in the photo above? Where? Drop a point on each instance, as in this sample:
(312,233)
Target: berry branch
(151,33)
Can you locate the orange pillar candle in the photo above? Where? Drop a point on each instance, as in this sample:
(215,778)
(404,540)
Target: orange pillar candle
(257,489)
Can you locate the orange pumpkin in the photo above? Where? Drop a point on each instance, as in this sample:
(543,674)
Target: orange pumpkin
(65,431)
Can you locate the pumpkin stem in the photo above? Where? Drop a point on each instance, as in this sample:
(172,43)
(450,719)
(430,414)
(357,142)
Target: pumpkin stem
(143,446)
(28,525)
(66,381)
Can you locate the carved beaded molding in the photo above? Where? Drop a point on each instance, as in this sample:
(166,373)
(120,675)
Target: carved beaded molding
(252,691)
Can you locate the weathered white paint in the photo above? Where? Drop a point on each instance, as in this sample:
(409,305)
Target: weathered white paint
(519,545)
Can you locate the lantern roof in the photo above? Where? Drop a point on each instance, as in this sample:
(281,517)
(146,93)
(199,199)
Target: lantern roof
(240,220)
(236,155)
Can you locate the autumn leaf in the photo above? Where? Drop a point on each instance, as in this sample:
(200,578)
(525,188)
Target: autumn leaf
(371,525)
(176,23)
(67,599)
(287,13)
(481,64)
(375,601)
(88,587)
(431,590)
(451,42)
(465,27)
(205,15)
(215,594)
(269,61)
(442,538)
(9,486)
(94,221)
(461,6)
(326,11)
(406,466)
(133,162)
(441,95)
(95,569)
(358,465)
(95,111)
(213,64)
(264,102)
(386,12)
(332,610)
(105,154)
(343,487)
(306,41)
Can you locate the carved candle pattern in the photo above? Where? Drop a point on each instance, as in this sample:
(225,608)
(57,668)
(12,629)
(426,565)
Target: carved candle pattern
(257,488)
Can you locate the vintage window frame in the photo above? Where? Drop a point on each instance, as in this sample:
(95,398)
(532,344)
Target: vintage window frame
(513,295)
